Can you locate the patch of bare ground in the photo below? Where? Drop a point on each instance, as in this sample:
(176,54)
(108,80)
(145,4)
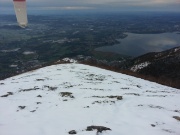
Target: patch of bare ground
(50,88)
(66,94)
(135,94)
(31,89)
(117,97)
(176,117)
(158,107)
(8,94)
(98,128)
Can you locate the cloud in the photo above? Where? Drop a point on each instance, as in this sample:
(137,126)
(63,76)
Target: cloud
(99,4)
(135,2)
(96,2)
(66,8)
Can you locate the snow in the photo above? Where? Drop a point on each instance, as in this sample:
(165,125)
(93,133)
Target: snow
(28,52)
(69,60)
(12,50)
(144,103)
(177,49)
(13,66)
(158,55)
(139,66)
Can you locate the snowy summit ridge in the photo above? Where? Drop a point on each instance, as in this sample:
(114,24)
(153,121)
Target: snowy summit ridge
(61,98)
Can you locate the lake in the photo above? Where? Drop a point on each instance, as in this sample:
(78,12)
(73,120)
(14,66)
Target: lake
(139,44)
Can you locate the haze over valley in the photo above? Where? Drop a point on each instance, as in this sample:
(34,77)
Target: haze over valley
(49,38)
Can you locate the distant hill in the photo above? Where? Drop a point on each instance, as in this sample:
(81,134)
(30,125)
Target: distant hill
(164,64)
(161,67)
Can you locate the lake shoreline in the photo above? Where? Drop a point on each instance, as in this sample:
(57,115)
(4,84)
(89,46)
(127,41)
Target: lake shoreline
(138,44)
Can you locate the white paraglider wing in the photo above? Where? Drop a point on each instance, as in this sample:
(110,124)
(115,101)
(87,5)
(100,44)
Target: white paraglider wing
(21,13)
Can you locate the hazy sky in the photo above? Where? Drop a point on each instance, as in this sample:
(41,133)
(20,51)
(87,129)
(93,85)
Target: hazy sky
(96,5)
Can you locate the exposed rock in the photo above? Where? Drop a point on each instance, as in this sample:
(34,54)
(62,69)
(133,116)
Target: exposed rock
(118,97)
(105,101)
(33,111)
(98,128)
(5,95)
(158,107)
(8,93)
(135,94)
(39,79)
(50,88)
(25,90)
(125,88)
(176,110)
(22,107)
(39,96)
(67,94)
(176,117)
(72,132)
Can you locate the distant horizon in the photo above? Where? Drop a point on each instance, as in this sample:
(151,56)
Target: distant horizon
(55,6)
(10,11)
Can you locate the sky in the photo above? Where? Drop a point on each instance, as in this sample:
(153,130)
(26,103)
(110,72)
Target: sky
(6,6)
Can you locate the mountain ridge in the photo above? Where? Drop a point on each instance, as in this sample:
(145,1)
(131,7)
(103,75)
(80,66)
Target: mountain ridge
(165,65)
(65,97)
(162,67)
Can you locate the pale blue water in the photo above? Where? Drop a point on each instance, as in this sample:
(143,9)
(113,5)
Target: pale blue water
(138,44)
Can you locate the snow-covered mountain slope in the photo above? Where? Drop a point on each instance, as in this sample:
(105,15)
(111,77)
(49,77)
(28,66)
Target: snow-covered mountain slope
(59,98)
